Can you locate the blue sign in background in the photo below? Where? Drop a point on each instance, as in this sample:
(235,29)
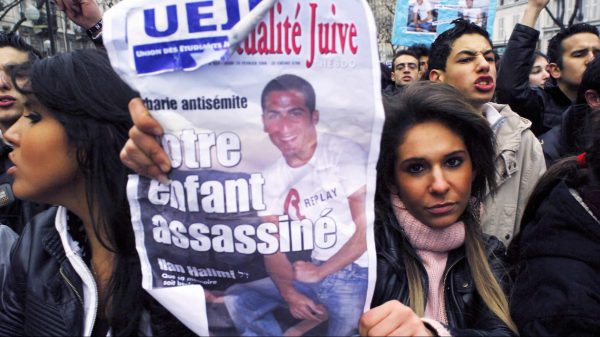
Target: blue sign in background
(444,11)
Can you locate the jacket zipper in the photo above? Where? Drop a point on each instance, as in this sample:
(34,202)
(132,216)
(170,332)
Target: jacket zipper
(60,270)
(444,286)
(88,274)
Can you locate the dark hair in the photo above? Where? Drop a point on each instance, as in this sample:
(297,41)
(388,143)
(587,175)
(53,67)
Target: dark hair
(537,54)
(405,52)
(17,42)
(589,80)
(85,95)
(442,46)
(555,48)
(420,49)
(567,170)
(289,82)
(425,101)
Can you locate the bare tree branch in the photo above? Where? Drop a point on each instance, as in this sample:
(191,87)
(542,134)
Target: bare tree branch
(554,19)
(574,14)
(9,7)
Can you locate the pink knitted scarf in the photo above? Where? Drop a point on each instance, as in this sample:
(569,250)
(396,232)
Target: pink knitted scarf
(432,245)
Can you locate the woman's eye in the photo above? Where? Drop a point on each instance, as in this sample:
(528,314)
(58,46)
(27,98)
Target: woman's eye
(33,116)
(415,168)
(454,162)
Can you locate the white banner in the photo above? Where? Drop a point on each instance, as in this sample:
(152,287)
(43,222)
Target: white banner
(272,116)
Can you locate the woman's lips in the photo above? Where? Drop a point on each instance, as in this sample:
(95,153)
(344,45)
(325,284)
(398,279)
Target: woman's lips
(7,101)
(11,170)
(441,209)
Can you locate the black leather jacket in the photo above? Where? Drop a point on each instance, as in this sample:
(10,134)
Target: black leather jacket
(467,314)
(43,294)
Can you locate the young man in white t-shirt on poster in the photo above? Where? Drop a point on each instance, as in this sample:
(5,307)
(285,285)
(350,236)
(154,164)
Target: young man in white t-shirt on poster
(422,17)
(471,13)
(317,185)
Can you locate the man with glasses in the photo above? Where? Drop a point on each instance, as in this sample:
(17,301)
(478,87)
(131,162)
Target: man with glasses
(406,68)
(405,71)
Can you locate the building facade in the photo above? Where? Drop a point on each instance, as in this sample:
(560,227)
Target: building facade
(510,12)
(16,16)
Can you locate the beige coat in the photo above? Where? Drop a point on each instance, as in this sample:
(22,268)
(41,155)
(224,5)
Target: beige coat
(519,165)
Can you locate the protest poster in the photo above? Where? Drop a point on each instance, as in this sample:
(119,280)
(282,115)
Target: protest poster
(272,116)
(420,21)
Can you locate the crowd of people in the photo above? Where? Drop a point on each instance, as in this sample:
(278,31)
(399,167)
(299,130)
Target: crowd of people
(487,200)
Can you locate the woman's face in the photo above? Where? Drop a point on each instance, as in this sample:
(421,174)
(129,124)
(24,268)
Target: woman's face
(434,174)
(45,166)
(538,74)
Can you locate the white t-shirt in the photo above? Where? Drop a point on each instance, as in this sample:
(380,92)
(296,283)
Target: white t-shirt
(422,9)
(318,189)
(471,14)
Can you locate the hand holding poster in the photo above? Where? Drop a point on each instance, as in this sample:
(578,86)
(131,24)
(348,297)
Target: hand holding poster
(266,226)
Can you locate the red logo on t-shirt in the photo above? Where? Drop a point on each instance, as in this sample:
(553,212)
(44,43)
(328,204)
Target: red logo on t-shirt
(293,199)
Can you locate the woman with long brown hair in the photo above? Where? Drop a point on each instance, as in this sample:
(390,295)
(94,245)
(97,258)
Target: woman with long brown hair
(437,274)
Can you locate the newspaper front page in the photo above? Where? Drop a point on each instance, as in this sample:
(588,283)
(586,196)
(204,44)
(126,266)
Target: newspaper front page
(272,117)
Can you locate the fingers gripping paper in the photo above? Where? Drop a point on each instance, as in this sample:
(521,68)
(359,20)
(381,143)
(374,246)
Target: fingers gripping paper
(272,117)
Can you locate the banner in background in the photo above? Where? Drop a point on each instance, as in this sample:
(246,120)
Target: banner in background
(420,21)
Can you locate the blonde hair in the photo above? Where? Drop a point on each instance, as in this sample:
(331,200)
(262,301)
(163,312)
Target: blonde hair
(486,284)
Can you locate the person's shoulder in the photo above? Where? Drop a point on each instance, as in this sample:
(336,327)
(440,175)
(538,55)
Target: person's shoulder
(341,149)
(554,94)
(42,222)
(493,245)
(514,120)
(38,232)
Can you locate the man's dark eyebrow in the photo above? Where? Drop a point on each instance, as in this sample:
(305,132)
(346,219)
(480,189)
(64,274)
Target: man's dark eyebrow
(578,50)
(468,52)
(474,53)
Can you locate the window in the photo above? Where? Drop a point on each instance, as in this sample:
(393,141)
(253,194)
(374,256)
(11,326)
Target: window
(501,33)
(590,10)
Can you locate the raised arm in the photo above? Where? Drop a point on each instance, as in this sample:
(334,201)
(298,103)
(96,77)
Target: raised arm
(513,76)
(84,13)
